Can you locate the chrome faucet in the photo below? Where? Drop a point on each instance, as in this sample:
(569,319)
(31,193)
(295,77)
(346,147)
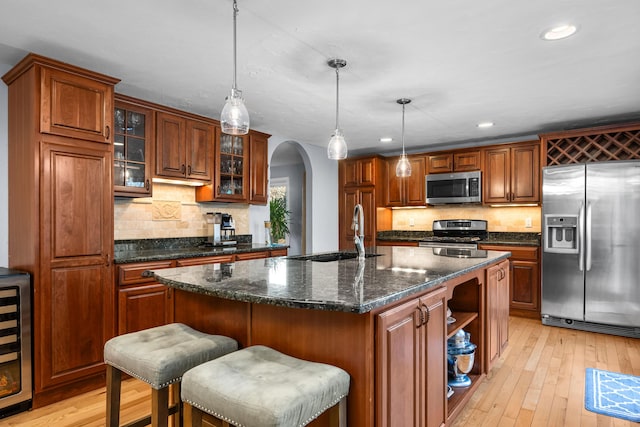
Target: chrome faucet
(358,226)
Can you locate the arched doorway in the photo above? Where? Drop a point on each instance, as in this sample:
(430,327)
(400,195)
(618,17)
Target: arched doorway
(288,174)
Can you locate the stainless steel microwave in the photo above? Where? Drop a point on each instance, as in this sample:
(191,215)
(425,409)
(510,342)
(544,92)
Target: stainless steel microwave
(458,187)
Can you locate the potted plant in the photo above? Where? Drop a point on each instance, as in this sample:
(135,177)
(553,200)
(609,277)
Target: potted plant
(279,216)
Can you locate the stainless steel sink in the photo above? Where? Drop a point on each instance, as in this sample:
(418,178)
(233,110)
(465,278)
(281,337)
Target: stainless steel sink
(329,256)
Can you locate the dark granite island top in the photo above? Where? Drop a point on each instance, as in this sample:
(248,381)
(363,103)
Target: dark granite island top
(343,285)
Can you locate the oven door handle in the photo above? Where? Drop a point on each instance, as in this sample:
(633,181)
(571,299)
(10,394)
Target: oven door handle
(448,245)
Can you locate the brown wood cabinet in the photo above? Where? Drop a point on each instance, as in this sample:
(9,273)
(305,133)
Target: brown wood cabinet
(497,330)
(458,161)
(360,180)
(411,365)
(134,136)
(183,147)
(407,191)
(142,302)
(61,218)
(524,277)
(512,174)
(258,168)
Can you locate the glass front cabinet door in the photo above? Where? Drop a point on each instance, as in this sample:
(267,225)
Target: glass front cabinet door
(232,168)
(133,125)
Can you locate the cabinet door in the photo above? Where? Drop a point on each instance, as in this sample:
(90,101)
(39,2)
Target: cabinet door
(133,128)
(170,146)
(144,307)
(525,285)
(525,174)
(199,149)
(74,302)
(75,106)
(497,176)
(231,171)
(367,199)
(466,161)
(433,406)
(394,190)
(348,199)
(349,172)
(399,366)
(440,163)
(503,323)
(259,168)
(367,170)
(497,333)
(413,186)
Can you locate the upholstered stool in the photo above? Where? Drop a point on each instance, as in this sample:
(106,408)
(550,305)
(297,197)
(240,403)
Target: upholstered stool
(158,356)
(260,387)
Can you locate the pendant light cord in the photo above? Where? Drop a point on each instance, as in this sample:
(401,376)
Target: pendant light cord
(235,15)
(403,129)
(337,94)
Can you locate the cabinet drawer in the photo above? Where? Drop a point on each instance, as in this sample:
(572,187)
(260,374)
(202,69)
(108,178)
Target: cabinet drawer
(132,273)
(251,255)
(517,252)
(279,252)
(204,260)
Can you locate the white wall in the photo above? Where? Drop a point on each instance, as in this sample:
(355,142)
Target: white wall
(322,199)
(4,179)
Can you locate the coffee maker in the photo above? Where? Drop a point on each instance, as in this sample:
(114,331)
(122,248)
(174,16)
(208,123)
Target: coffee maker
(221,229)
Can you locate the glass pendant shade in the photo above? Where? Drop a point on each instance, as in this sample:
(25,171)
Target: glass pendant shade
(403,167)
(234,118)
(337,148)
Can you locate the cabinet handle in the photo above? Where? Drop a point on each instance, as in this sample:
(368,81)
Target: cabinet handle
(107,261)
(182,169)
(107,131)
(218,191)
(419,317)
(427,314)
(148,185)
(189,170)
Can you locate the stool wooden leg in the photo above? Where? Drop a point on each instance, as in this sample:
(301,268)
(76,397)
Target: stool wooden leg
(160,407)
(113,396)
(338,414)
(178,417)
(196,417)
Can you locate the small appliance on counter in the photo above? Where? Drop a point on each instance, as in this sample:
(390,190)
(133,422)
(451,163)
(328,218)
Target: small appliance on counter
(460,357)
(221,229)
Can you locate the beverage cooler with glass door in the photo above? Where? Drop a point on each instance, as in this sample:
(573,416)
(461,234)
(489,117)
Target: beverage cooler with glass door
(15,341)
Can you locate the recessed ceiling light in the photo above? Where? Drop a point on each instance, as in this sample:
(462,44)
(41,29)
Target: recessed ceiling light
(386,140)
(559,32)
(485,124)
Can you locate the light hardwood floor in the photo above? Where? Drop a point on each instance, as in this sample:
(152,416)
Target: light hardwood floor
(538,381)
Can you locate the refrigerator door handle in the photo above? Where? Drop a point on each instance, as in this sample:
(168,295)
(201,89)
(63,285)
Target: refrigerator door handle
(588,237)
(581,237)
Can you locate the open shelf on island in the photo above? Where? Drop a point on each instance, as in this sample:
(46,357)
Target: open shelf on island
(463,318)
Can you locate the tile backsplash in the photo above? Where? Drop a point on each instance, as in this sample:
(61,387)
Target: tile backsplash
(499,219)
(171,212)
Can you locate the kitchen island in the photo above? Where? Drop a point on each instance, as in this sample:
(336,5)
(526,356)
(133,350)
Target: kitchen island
(382,320)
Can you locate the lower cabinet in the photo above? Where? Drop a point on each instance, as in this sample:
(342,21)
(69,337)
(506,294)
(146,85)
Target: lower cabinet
(497,305)
(524,285)
(411,364)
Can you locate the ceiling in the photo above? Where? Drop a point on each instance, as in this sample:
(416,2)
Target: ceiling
(461,62)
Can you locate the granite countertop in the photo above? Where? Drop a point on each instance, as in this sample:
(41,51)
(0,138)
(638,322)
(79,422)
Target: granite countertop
(494,238)
(345,285)
(158,254)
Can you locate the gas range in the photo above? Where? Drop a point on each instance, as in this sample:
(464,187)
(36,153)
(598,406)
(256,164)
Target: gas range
(456,233)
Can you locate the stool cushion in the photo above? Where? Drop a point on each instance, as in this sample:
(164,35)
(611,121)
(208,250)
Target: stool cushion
(161,355)
(258,386)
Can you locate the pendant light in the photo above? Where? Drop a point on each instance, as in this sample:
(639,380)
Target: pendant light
(403,168)
(234,118)
(337,148)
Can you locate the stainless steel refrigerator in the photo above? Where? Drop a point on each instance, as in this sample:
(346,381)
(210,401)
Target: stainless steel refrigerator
(591,247)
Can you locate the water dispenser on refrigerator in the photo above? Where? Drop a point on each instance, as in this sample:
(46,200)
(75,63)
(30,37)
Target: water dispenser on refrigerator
(561,234)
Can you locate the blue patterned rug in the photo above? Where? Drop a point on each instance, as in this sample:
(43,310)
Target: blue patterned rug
(612,394)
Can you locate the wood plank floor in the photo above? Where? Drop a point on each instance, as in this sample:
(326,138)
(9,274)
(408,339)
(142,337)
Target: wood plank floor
(538,381)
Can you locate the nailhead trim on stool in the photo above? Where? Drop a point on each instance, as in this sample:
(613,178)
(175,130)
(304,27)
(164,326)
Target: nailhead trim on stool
(158,356)
(260,387)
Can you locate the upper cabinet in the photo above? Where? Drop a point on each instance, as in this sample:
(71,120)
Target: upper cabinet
(407,191)
(359,171)
(458,161)
(512,174)
(75,106)
(240,169)
(183,147)
(133,136)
